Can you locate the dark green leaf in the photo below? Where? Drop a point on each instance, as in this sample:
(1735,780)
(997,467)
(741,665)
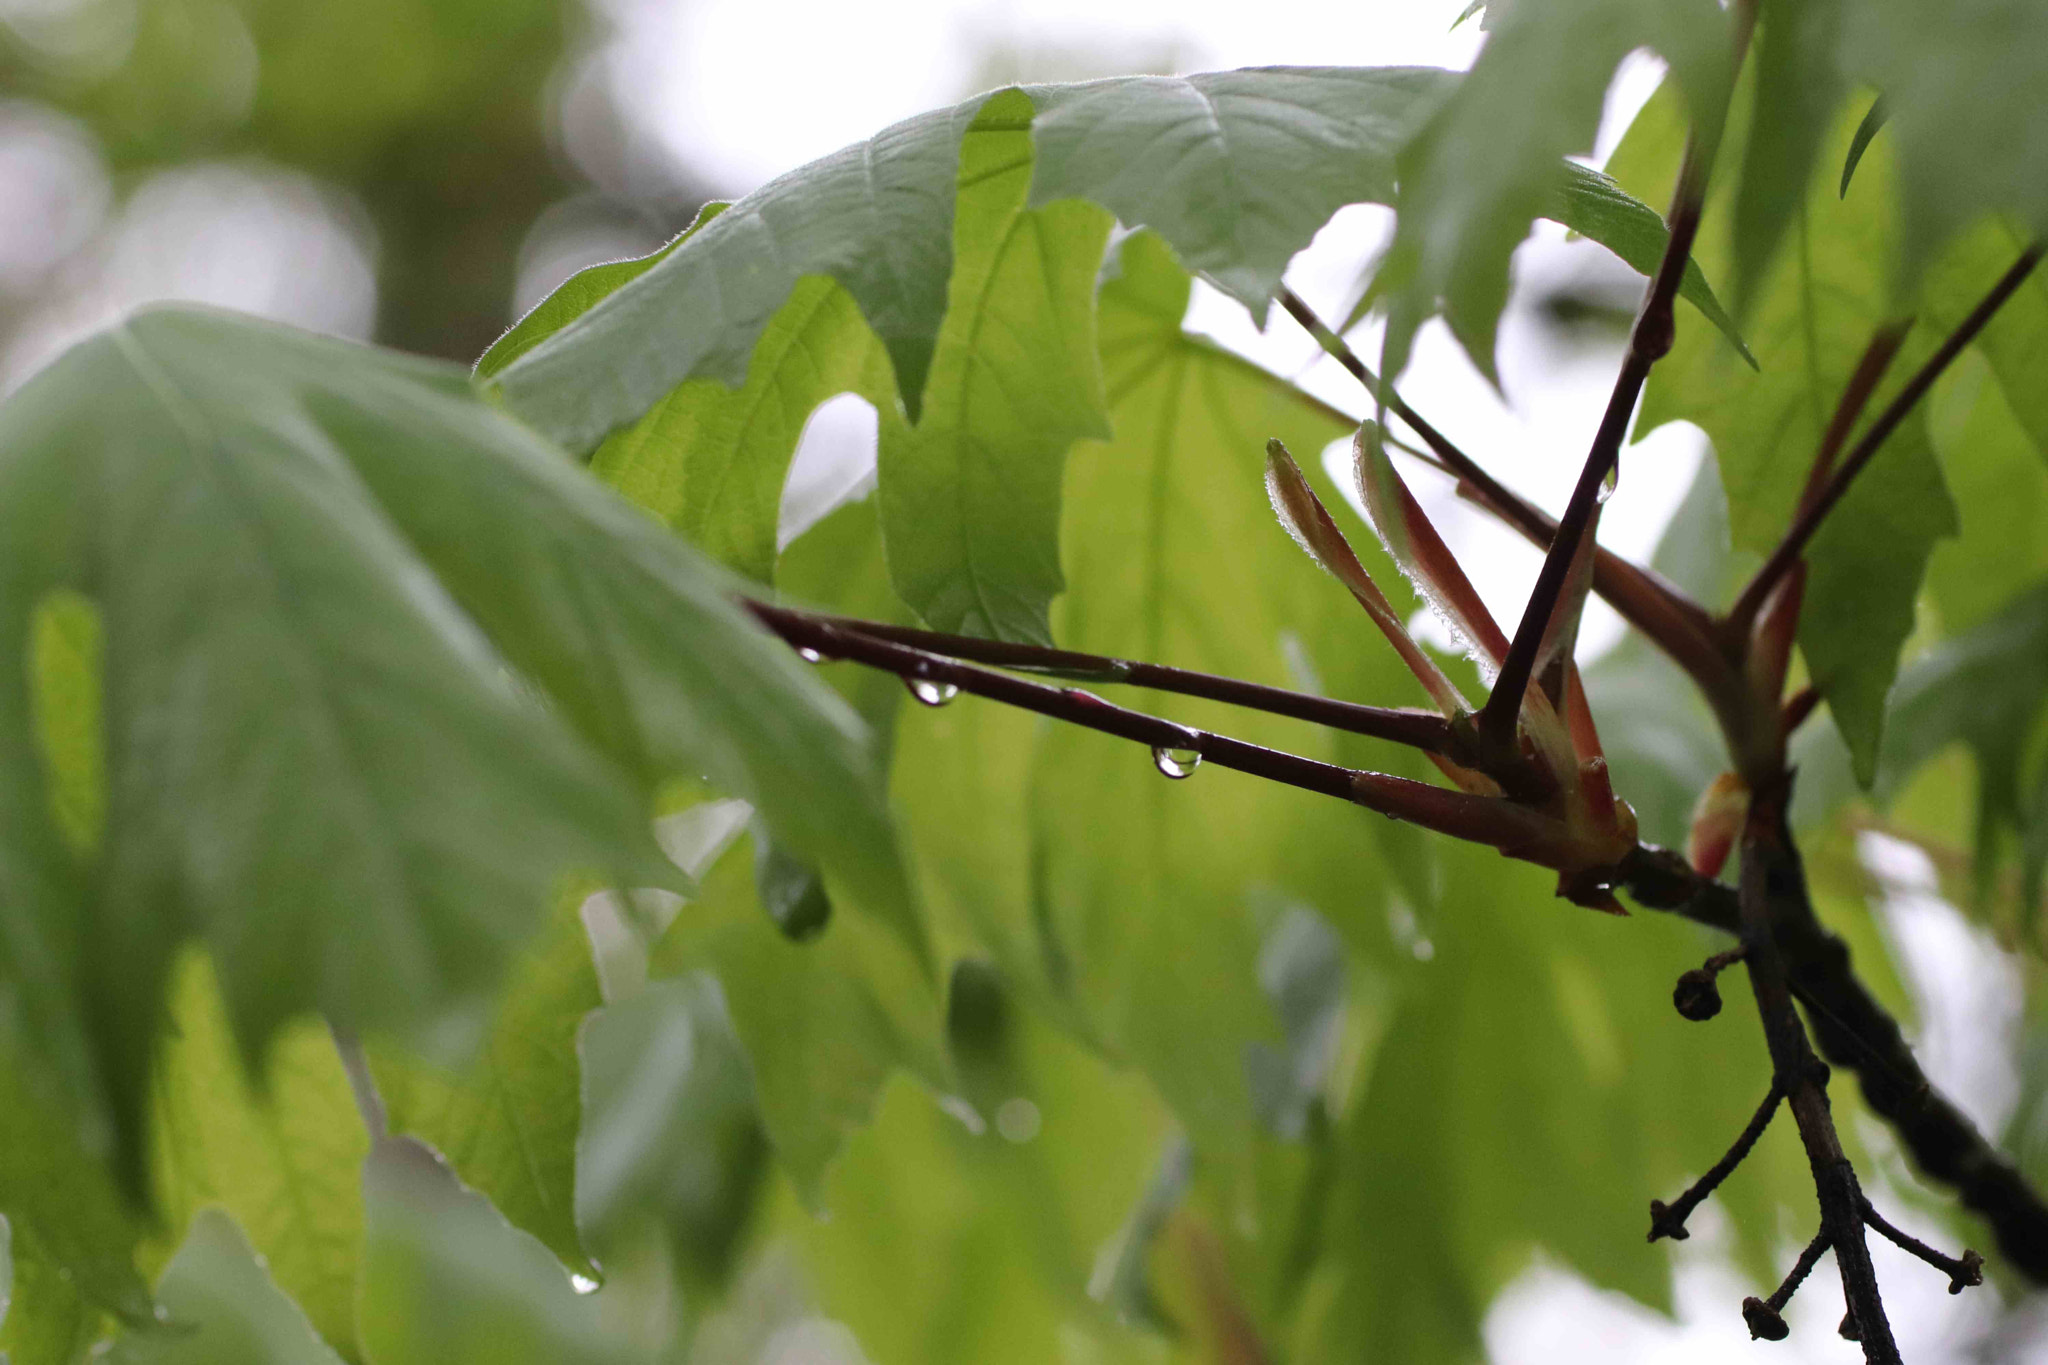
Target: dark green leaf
(224,1309)
(670,1133)
(47,1320)
(1865,131)
(1799,88)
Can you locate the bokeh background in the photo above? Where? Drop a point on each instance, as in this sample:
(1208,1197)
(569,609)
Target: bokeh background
(420,172)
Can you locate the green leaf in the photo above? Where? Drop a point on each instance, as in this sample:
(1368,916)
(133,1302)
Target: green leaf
(1491,160)
(970,496)
(224,1309)
(1873,123)
(1799,90)
(670,1133)
(1139,915)
(577,295)
(1809,324)
(1237,170)
(48,1320)
(1984,688)
(823,1022)
(876,216)
(2000,483)
(320,570)
(1963,97)
(506,1119)
(711,461)
(446,1281)
(1593,205)
(281,1151)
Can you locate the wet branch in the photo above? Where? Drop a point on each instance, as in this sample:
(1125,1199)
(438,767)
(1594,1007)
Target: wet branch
(1772,876)
(1649,341)
(1417,729)
(1668,1220)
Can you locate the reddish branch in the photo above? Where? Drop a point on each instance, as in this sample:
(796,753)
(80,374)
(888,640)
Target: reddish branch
(1649,341)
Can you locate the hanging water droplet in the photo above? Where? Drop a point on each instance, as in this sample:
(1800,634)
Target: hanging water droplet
(931,693)
(1611,482)
(810,656)
(1176,762)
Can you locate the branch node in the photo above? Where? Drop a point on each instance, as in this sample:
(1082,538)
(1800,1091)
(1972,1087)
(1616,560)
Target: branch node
(1849,1331)
(1766,1316)
(1764,1321)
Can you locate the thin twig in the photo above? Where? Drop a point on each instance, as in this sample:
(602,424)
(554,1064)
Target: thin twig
(1478,819)
(1417,729)
(1649,341)
(1963,1273)
(1764,1316)
(1668,1220)
(1772,876)
(355,1063)
(1809,520)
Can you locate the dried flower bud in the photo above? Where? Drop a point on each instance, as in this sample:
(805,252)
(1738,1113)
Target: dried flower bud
(1764,1322)
(1968,1273)
(1696,995)
(1665,1222)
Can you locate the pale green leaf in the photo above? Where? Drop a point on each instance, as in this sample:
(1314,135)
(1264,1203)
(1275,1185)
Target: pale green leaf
(506,1118)
(2000,484)
(48,1321)
(970,496)
(282,1152)
(446,1281)
(1799,88)
(225,1309)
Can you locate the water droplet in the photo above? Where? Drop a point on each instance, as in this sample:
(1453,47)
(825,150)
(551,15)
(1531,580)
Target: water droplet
(583,1284)
(931,693)
(1018,1120)
(1176,762)
(1611,482)
(810,656)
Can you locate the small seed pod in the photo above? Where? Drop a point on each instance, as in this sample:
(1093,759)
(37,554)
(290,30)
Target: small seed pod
(1764,1322)
(1968,1272)
(1696,995)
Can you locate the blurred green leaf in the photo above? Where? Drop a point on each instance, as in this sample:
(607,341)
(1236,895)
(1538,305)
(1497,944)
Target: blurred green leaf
(446,1281)
(355,556)
(47,1320)
(1491,160)
(670,1134)
(506,1119)
(224,1309)
(1800,86)
(281,1151)
(823,1022)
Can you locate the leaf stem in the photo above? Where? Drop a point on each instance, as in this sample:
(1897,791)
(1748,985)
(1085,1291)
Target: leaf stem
(1668,1220)
(1425,730)
(1812,515)
(362,1084)
(1649,341)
